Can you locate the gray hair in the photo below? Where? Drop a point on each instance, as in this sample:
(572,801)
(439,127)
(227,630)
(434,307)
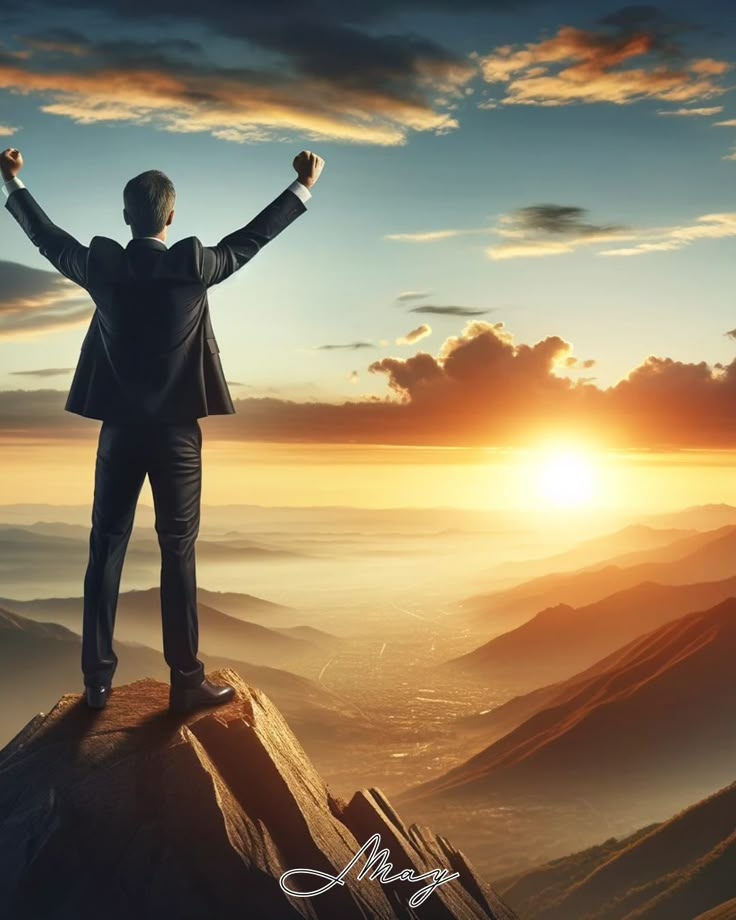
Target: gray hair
(148,199)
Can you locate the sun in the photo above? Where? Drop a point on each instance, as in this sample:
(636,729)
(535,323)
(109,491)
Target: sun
(565,478)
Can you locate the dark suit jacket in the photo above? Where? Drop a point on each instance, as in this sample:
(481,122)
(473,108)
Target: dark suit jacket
(150,353)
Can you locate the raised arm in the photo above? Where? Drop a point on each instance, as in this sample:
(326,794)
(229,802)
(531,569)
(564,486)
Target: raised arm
(235,249)
(65,253)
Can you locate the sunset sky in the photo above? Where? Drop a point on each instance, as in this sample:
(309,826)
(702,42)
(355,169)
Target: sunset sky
(523,238)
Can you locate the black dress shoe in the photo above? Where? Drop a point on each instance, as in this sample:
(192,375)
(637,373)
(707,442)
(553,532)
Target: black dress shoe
(185,699)
(97,695)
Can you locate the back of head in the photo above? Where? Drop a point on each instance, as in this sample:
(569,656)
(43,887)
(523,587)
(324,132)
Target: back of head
(148,199)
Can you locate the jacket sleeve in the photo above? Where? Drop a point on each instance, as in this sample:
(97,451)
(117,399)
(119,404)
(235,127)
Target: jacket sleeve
(235,249)
(65,253)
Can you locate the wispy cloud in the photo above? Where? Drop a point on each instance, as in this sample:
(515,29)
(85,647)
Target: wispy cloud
(549,229)
(414,335)
(351,346)
(635,54)
(429,236)
(412,295)
(699,112)
(443,310)
(44,372)
(34,302)
(542,230)
(707,227)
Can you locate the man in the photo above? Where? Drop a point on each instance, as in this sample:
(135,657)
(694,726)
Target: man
(149,368)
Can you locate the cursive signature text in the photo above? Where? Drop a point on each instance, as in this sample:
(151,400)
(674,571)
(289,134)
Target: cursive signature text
(439,876)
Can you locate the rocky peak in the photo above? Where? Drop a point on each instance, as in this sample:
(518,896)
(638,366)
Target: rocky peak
(134,812)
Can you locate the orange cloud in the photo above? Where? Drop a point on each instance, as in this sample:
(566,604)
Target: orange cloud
(123,82)
(619,65)
(481,388)
(414,335)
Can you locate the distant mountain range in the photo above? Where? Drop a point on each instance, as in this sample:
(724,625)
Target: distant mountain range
(138,619)
(631,539)
(644,731)
(681,869)
(39,661)
(562,640)
(709,556)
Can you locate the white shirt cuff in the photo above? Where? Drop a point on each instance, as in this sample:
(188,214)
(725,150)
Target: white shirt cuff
(12,184)
(301,191)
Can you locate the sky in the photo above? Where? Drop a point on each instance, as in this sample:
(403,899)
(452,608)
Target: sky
(522,236)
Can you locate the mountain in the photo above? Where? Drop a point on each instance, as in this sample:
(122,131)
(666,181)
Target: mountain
(42,537)
(561,640)
(151,814)
(649,729)
(703,557)
(37,660)
(675,870)
(698,517)
(633,538)
(244,606)
(138,619)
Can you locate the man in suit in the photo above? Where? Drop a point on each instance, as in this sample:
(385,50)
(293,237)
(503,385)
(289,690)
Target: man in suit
(149,368)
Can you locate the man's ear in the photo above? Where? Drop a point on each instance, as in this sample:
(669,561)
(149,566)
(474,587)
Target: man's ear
(170,218)
(125,216)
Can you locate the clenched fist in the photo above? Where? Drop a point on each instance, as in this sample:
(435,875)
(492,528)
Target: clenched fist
(308,167)
(11,161)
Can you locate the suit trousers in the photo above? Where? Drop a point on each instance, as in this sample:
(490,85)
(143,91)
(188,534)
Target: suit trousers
(171,456)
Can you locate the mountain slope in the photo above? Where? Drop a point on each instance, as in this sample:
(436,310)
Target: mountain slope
(138,619)
(562,640)
(649,729)
(674,871)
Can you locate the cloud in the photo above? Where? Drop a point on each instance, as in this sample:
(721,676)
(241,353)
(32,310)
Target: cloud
(552,229)
(350,345)
(428,236)
(34,302)
(414,335)
(534,230)
(480,388)
(549,229)
(729,123)
(702,111)
(315,77)
(635,55)
(354,377)
(571,362)
(43,372)
(555,219)
(437,310)
(413,295)
(6,130)
(707,227)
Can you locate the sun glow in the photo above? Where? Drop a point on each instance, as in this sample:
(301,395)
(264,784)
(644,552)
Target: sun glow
(565,478)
